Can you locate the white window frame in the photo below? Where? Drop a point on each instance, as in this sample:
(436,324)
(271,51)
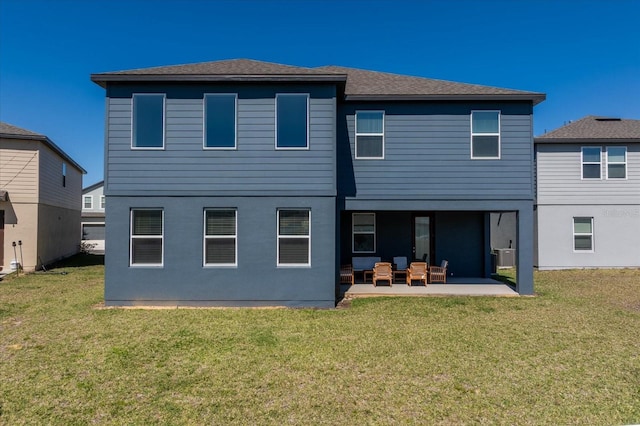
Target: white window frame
(164,122)
(591,234)
(617,162)
(103,202)
(235,123)
(353,232)
(86,198)
(498,134)
(294,148)
(131,238)
(213,237)
(368,134)
(308,237)
(582,163)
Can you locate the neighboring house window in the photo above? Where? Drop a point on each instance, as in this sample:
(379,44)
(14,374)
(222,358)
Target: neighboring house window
(294,237)
(591,162)
(292,121)
(102,202)
(485,134)
(583,234)
(220,121)
(147,235)
(148,121)
(364,232)
(64,174)
(616,162)
(88,202)
(220,237)
(369,134)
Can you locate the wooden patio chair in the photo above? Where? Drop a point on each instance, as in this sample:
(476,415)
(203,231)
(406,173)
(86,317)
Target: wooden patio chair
(417,271)
(439,273)
(346,274)
(382,271)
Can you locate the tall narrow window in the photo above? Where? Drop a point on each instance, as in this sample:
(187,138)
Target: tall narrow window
(220,237)
(591,162)
(616,162)
(294,238)
(88,202)
(220,120)
(102,202)
(583,234)
(485,134)
(148,121)
(64,174)
(364,232)
(370,134)
(292,121)
(147,235)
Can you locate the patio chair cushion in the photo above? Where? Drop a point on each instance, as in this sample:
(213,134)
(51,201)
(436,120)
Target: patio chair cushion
(364,263)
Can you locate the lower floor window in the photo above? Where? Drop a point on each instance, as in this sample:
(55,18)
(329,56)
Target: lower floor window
(147,235)
(220,236)
(364,232)
(294,237)
(583,233)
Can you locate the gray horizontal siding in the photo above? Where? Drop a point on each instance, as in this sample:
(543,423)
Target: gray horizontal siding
(254,167)
(427,154)
(559,177)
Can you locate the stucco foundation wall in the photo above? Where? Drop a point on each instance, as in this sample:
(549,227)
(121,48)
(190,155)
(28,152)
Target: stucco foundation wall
(59,233)
(21,224)
(616,236)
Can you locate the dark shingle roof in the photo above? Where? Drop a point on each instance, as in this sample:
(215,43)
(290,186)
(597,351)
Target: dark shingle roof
(13,132)
(594,129)
(360,84)
(363,84)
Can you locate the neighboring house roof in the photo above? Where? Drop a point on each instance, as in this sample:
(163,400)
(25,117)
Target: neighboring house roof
(594,129)
(92,187)
(9,131)
(359,84)
(374,85)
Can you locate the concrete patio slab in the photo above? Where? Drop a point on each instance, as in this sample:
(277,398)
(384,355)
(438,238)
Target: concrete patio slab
(453,287)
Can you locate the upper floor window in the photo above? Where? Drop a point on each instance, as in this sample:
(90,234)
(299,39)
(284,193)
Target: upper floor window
(148,121)
(591,162)
(616,162)
(220,236)
(485,134)
(88,202)
(64,174)
(369,134)
(294,237)
(220,121)
(363,232)
(292,121)
(102,202)
(147,237)
(583,234)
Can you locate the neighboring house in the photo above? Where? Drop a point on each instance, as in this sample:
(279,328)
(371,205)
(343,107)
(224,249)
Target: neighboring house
(588,195)
(248,183)
(40,189)
(93,204)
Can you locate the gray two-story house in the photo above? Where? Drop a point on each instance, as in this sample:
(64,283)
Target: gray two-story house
(588,195)
(246,183)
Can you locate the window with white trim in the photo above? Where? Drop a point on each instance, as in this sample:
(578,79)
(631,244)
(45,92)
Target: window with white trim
(292,121)
(88,202)
(583,234)
(220,121)
(363,232)
(591,162)
(147,123)
(369,135)
(147,237)
(485,134)
(102,202)
(616,162)
(220,237)
(294,237)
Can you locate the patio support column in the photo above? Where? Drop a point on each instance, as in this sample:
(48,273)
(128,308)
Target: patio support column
(487,245)
(524,260)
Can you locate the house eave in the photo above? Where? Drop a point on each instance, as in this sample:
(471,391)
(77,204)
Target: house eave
(535,97)
(48,142)
(585,141)
(103,79)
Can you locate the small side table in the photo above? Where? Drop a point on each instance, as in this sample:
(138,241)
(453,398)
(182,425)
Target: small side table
(396,273)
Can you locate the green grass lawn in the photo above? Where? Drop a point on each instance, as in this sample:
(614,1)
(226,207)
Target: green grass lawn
(571,355)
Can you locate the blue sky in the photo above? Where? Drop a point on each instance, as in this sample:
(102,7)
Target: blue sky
(585,55)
